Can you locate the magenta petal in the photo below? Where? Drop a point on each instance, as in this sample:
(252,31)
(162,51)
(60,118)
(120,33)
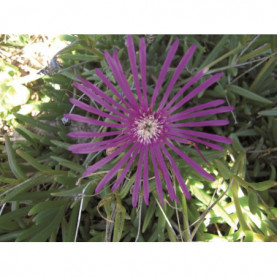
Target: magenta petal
(190,161)
(115,169)
(119,78)
(201,155)
(210,104)
(102,162)
(206,105)
(94,149)
(79,118)
(183,116)
(196,91)
(136,187)
(126,169)
(99,100)
(202,123)
(93,134)
(145,177)
(164,70)
(165,173)
(124,79)
(91,147)
(189,138)
(207,136)
(176,75)
(142,64)
(157,176)
(102,94)
(107,82)
(177,173)
(133,63)
(191,82)
(93,110)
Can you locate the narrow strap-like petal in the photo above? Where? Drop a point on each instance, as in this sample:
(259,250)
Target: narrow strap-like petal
(116,72)
(165,173)
(157,176)
(145,177)
(142,64)
(92,95)
(79,118)
(123,78)
(202,123)
(191,82)
(177,173)
(164,70)
(126,169)
(190,161)
(103,95)
(176,75)
(96,148)
(115,169)
(93,134)
(136,187)
(207,136)
(90,147)
(102,162)
(133,63)
(97,143)
(184,116)
(196,91)
(93,110)
(201,155)
(210,104)
(187,139)
(107,82)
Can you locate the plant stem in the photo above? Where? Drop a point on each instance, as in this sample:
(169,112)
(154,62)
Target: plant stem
(238,208)
(185,219)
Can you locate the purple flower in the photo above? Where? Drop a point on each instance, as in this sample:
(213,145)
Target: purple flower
(147,129)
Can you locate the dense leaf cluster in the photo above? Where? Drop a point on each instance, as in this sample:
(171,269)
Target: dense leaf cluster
(42,194)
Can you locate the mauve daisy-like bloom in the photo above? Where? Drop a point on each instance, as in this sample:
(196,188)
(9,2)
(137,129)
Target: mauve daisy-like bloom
(141,127)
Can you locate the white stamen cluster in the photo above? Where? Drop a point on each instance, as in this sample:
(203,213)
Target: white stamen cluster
(147,129)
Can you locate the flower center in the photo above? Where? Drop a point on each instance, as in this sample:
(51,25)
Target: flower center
(147,128)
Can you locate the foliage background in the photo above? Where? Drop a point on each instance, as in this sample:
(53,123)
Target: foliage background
(42,195)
